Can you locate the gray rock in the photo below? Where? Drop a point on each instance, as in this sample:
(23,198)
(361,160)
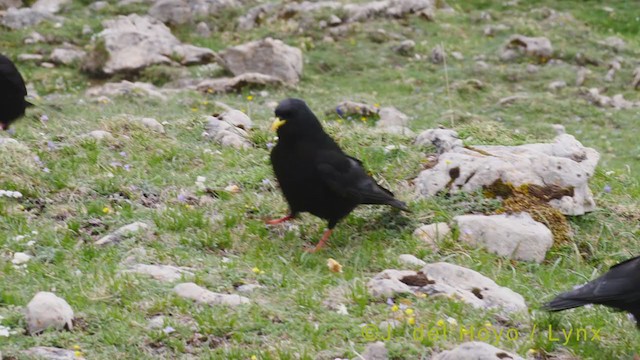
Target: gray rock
(374,351)
(635,83)
(432,234)
(247,288)
(98,135)
(98,5)
(437,55)
(477,351)
(203,296)
(134,42)
(46,310)
(34,38)
(67,55)
(518,237)
(5,4)
(50,6)
(150,123)
(174,12)
(387,283)
(405,47)
(255,15)
(24,17)
(30,57)
(443,139)
(229,129)
(164,273)
(203,30)
(156,322)
(539,47)
(121,233)
(52,353)
(220,85)
(126,88)
(565,163)
(581,75)
(269,57)
(614,65)
(410,260)
(615,43)
(394,121)
(617,101)
(557,85)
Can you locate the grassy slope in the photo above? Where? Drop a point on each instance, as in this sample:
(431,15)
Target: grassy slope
(287,319)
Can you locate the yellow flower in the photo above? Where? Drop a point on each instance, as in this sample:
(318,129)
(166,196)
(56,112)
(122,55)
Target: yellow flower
(363,119)
(187,206)
(78,354)
(205,102)
(421,295)
(440,323)
(532,352)
(411,321)
(488,324)
(106,210)
(395,308)
(409,312)
(334,266)
(209,90)
(249,97)
(376,105)
(253,357)
(194,109)
(76,347)
(256,270)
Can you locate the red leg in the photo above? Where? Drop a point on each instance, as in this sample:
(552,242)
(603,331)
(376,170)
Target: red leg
(322,242)
(281,220)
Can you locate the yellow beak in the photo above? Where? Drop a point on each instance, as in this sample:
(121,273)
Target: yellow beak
(277,123)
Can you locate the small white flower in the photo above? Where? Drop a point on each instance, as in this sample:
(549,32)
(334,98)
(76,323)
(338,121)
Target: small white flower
(201,179)
(452,321)
(31,242)
(4,331)
(19,238)
(168,330)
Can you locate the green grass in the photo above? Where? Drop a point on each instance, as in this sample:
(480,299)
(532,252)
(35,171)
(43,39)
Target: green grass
(287,318)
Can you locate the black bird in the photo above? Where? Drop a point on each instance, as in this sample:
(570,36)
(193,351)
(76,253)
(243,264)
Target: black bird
(619,288)
(12,93)
(315,175)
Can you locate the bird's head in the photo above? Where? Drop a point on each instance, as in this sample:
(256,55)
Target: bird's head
(294,118)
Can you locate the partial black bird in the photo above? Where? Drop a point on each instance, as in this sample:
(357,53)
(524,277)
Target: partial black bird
(12,93)
(315,175)
(619,288)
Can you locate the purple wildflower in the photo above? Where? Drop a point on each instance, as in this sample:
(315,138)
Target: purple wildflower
(44,118)
(390,301)
(607,188)
(182,198)
(123,154)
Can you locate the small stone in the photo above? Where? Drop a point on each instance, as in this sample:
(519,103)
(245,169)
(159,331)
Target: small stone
(410,260)
(48,310)
(247,288)
(152,124)
(203,296)
(475,350)
(374,351)
(156,322)
(52,353)
(47,65)
(457,55)
(164,273)
(557,85)
(123,232)
(20,258)
(30,57)
(202,29)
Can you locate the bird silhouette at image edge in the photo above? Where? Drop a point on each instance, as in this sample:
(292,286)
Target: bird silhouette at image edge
(619,288)
(315,175)
(12,93)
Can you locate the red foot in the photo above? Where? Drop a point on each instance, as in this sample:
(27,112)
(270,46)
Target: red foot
(322,242)
(278,221)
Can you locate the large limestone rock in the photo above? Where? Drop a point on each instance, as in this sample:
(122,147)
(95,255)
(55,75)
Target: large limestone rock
(50,6)
(46,310)
(123,232)
(564,164)
(538,47)
(235,83)
(268,57)
(518,236)
(475,350)
(164,273)
(134,42)
(126,88)
(52,353)
(449,280)
(177,12)
(24,17)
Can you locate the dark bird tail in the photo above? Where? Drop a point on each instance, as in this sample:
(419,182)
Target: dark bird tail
(399,205)
(561,302)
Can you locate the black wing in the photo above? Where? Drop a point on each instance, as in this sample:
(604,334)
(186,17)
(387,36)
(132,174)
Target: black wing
(620,285)
(346,176)
(10,77)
